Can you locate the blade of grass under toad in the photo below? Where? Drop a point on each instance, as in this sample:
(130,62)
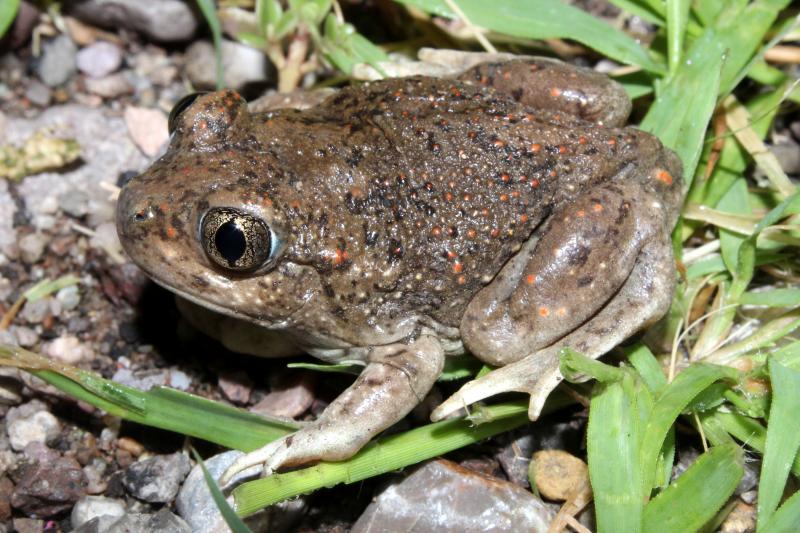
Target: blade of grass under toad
(699,492)
(734,201)
(228,514)
(547,19)
(772,298)
(681,120)
(612,440)
(159,407)
(8,12)
(382,456)
(668,405)
(783,440)
(786,518)
(209,11)
(652,12)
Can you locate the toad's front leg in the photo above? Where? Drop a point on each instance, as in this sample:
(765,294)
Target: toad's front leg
(396,378)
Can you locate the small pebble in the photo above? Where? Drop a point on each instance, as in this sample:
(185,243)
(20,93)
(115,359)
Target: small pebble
(57,64)
(26,337)
(69,297)
(38,93)
(31,247)
(157,479)
(742,519)
(96,476)
(290,401)
(236,387)
(147,128)
(69,349)
(111,86)
(40,427)
(28,525)
(74,202)
(99,59)
(242,65)
(178,379)
(89,507)
(36,311)
(558,474)
(65,485)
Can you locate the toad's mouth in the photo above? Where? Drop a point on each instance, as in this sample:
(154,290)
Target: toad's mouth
(262,319)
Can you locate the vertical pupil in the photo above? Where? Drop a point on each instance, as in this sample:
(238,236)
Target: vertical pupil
(230,241)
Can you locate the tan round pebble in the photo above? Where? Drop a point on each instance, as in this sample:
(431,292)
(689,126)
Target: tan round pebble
(557,473)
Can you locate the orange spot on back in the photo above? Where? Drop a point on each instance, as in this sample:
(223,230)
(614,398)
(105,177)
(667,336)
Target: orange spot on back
(531,279)
(171,232)
(555,92)
(664,176)
(581,213)
(544,311)
(562,311)
(536,147)
(457,267)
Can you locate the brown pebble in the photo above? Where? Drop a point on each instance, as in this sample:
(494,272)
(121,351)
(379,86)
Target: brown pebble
(131,446)
(557,473)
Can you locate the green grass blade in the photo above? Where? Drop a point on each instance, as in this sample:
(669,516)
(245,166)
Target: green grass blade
(783,440)
(772,298)
(615,424)
(8,12)
(669,404)
(47,287)
(646,365)
(547,19)
(574,365)
(379,457)
(734,159)
(741,35)
(734,201)
(786,518)
(696,496)
(677,18)
(652,12)
(746,430)
(159,407)
(209,11)
(228,514)
(680,121)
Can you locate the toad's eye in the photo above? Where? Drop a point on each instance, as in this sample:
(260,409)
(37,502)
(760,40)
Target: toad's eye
(182,105)
(236,240)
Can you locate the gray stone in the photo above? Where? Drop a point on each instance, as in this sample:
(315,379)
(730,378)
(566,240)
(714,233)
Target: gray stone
(8,235)
(74,202)
(99,59)
(38,93)
(36,311)
(57,64)
(442,496)
(39,427)
(99,524)
(241,65)
(90,507)
(26,337)
(31,247)
(160,20)
(195,504)
(788,155)
(157,479)
(69,297)
(106,152)
(28,525)
(110,86)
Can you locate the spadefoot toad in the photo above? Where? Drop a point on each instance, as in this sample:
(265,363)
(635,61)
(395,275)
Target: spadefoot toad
(506,212)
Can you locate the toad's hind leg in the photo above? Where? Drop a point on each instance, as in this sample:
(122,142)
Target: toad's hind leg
(396,379)
(556,87)
(643,298)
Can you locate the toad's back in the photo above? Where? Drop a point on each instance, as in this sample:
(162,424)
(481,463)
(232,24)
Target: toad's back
(410,194)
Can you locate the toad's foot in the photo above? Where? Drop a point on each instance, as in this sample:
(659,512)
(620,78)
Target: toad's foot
(643,298)
(396,379)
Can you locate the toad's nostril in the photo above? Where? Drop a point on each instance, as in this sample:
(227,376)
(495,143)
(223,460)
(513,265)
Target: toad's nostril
(139,216)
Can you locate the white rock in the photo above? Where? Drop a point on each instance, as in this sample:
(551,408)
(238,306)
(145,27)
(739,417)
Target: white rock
(40,427)
(99,59)
(69,349)
(90,507)
(69,297)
